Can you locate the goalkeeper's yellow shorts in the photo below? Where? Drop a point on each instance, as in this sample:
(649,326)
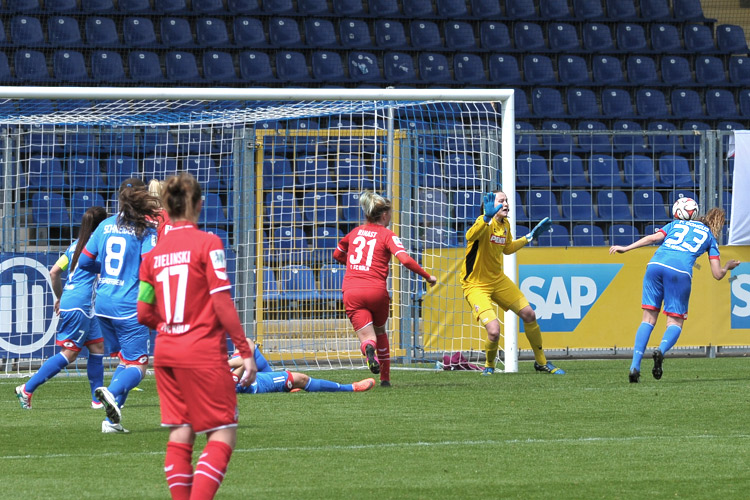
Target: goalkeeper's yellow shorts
(503,292)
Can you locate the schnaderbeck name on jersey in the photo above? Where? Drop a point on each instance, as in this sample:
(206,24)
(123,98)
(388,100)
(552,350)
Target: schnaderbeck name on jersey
(171,259)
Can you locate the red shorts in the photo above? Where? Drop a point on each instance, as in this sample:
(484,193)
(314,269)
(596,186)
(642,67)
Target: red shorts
(365,306)
(203,398)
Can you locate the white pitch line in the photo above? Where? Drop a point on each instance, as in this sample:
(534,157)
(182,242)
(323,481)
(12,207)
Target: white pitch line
(581,440)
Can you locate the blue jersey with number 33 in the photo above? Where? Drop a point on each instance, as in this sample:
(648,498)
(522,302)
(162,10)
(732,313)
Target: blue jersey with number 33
(685,241)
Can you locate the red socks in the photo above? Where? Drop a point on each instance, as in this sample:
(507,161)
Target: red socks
(363,346)
(384,356)
(178,467)
(210,470)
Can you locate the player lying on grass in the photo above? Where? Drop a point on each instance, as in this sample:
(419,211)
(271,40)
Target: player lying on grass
(267,380)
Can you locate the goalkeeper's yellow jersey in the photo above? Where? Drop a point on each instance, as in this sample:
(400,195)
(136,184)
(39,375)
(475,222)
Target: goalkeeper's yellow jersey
(485,246)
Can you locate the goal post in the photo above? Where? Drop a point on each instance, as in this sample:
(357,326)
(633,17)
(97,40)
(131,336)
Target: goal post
(281,171)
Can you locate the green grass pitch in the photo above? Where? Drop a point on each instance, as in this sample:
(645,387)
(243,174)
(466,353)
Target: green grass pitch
(433,435)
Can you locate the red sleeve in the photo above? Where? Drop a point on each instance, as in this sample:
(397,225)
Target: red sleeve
(341,249)
(227,314)
(412,264)
(216,266)
(393,243)
(148,314)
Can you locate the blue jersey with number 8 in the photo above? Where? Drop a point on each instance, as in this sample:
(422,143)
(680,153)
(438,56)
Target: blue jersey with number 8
(684,242)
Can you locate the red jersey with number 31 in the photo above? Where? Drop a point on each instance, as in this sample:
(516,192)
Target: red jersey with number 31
(368,250)
(185,267)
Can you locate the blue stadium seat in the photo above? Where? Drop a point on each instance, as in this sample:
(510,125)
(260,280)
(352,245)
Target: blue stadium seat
(675,172)
(486,9)
(255,66)
(554,10)
(692,141)
(133,6)
(101,32)
(181,66)
(138,32)
(631,38)
(520,210)
(526,143)
(616,103)
(204,169)
(744,102)
(430,171)
(319,208)
(69,66)
(327,66)
(547,103)
(385,8)
(5,74)
(98,6)
(469,68)
(568,171)
(349,209)
(278,7)
(504,70)
(642,71)
(80,143)
(145,67)
(249,32)
(542,203)
(218,67)
(425,35)
(313,7)
(687,104)
(284,32)
(709,70)
(352,172)
(26,31)
(63,31)
(675,70)
(320,33)
(460,172)
(730,39)
(281,208)
(655,10)
(621,10)
(582,103)
(107,66)
(270,283)
(604,172)
(521,103)
(348,8)
(529,36)
(434,208)
(49,209)
(664,143)
(80,201)
(434,68)
(666,39)
(594,142)
(117,169)
(588,9)
(639,171)
(459,35)
(556,141)
(613,205)
(355,34)
(416,9)
(557,236)
(623,234)
(211,32)
(291,66)
(573,70)
(538,70)
(158,167)
(208,6)
(651,103)
(452,9)
(699,39)
(689,10)
(588,235)
(607,70)
(58,6)
(390,34)
(437,237)
(628,142)
(169,7)
(648,205)
(363,67)
(672,196)
(398,67)
(739,71)
(532,171)
(31,66)
(297,282)
(312,172)
(720,104)
(520,9)
(597,37)
(277,174)
(46,173)
(563,37)
(331,280)
(468,205)
(493,36)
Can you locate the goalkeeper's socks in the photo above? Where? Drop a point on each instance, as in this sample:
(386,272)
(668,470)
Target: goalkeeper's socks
(491,347)
(178,468)
(49,369)
(127,379)
(210,469)
(95,372)
(641,341)
(534,336)
(670,338)
(322,385)
(384,356)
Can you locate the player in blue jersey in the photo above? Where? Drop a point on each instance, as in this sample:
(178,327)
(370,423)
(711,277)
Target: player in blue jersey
(78,327)
(669,276)
(115,251)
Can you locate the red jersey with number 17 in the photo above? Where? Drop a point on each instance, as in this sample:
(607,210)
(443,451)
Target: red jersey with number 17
(185,267)
(368,250)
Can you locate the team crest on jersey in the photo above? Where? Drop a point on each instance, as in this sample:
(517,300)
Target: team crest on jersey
(397,241)
(219,262)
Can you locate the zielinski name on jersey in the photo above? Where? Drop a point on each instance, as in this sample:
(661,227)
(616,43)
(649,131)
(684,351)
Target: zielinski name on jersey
(175,329)
(169,259)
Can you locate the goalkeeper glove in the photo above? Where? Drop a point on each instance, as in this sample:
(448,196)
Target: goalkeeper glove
(543,226)
(489,207)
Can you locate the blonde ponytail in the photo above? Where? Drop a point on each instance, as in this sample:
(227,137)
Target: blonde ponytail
(374,205)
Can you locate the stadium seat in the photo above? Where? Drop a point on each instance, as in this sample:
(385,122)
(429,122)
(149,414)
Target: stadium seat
(181,66)
(604,171)
(686,104)
(739,71)
(555,141)
(642,71)
(390,34)
(532,171)
(621,10)
(425,35)
(291,66)
(297,282)
(327,66)
(63,31)
(557,236)
(319,208)
(219,67)
(675,172)
(521,103)
(468,205)
(349,209)
(655,10)
(159,167)
(5,74)
(249,32)
(331,279)
(355,34)
(175,32)
(118,169)
(460,172)
(692,141)
(666,39)
(145,67)
(486,9)
(563,37)
(623,234)
(744,103)
(675,70)
(255,66)
(107,66)
(699,39)
(277,174)
(208,6)
(459,35)
(538,70)
(631,38)
(98,6)
(434,208)
(31,66)
(542,203)
(648,205)
(284,32)
(639,171)
(720,104)
(320,33)
(80,201)
(348,8)
(398,67)
(597,141)
(493,36)
(526,143)
(211,32)
(520,209)
(529,37)
(597,37)
(312,172)
(582,103)
(101,32)
(434,68)
(281,208)
(613,205)
(689,10)
(547,103)
(520,9)
(26,31)
(313,7)
(417,9)
(277,7)
(573,70)
(568,171)
(85,174)
(616,103)
(452,9)
(177,7)
(46,173)
(430,171)
(554,10)
(607,71)
(588,9)
(363,67)
(588,235)
(49,209)
(469,69)
(672,196)
(730,39)
(651,103)
(69,66)
(384,9)
(133,6)
(664,143)
(203,168)
(709,70)
(138,32)
(504,70)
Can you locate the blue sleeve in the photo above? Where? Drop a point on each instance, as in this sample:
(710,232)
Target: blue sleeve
(88,264)
(713,249)
(92,246)
(149,241)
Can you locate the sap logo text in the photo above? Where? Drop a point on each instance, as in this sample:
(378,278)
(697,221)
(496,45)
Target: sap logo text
(740,296)
(561,295)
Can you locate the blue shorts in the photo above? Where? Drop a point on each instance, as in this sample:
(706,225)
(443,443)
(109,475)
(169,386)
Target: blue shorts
(268,382)
(126,336)
(75,330)
(662,284)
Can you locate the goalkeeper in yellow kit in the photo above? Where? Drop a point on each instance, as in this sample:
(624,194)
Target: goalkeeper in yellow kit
(484,282)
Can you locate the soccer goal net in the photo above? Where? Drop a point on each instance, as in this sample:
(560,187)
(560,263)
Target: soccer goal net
(281,171)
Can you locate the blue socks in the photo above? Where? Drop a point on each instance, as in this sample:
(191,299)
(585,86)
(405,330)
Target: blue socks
(670,338)
(95,372)
(49,369)
(641,341)
(123,380)
(321,385)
